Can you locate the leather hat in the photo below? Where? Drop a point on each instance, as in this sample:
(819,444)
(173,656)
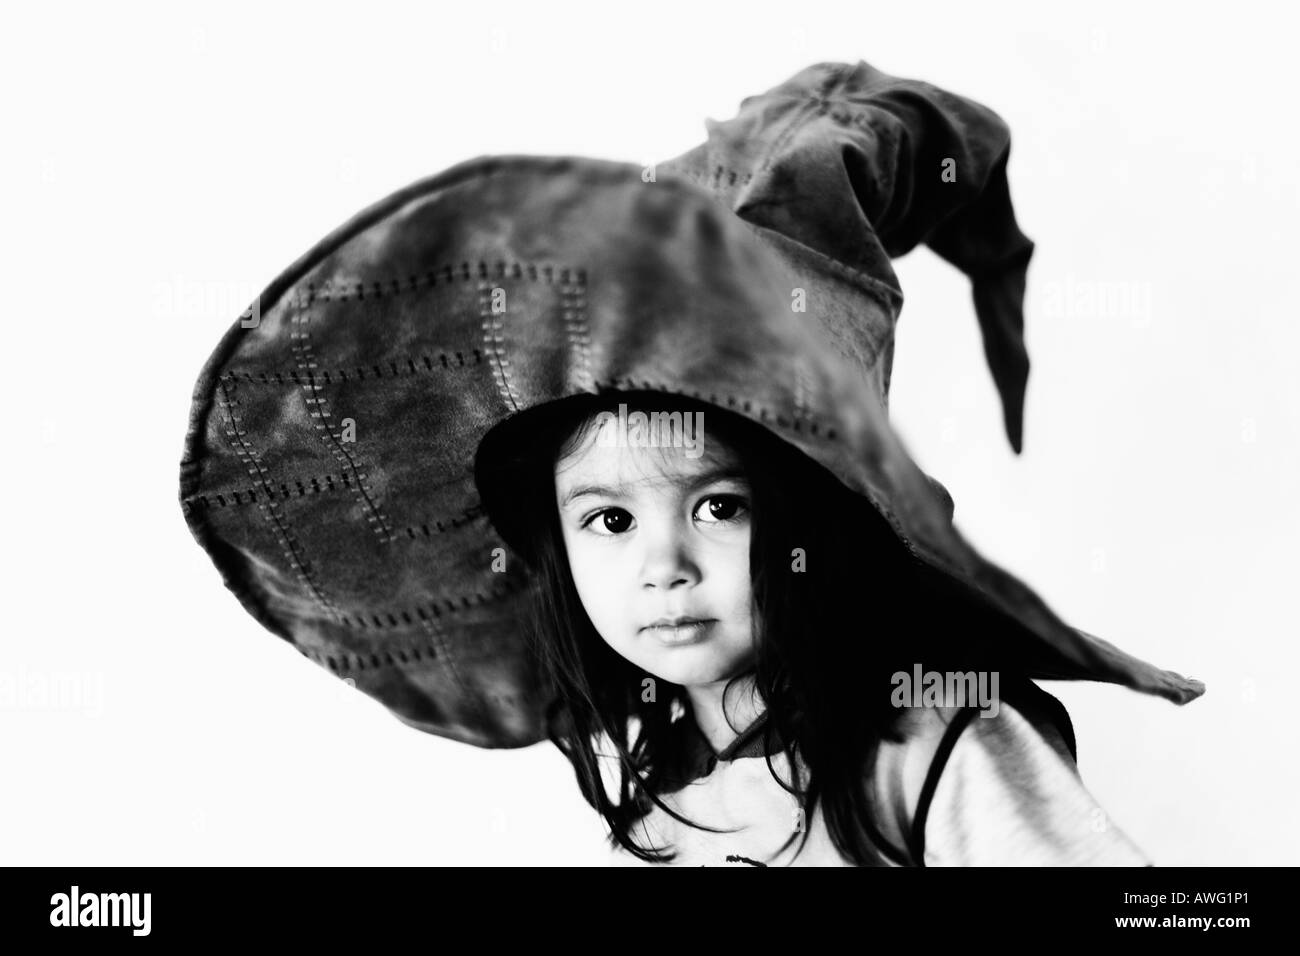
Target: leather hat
(328,467)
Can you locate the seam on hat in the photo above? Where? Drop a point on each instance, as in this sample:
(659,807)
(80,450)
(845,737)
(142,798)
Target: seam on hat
(239,497)
(443,525)
(815,103)
(398,368)
(889,296)
(217,499)
(339,661)
(384,619)
(494,345)
(292,548)
(318,408)
(713,181)
(414,282)
(573,304)
(471,694)
(732,176)
(803,391)
(440,640)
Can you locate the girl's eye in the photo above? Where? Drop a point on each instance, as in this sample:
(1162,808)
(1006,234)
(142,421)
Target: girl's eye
(612,520)
(720,508)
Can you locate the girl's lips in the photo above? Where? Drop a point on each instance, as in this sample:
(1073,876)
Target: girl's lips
(682,633)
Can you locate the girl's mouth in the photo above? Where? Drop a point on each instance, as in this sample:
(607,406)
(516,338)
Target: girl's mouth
(688,632)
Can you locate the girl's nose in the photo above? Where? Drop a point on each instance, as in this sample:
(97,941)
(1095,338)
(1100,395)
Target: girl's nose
(668,562)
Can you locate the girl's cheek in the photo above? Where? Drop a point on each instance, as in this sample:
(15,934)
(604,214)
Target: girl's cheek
(593,568)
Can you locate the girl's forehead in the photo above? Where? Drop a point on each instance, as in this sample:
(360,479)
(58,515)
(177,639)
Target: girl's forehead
(631,469)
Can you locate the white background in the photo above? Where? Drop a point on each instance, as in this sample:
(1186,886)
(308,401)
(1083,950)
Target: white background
(161,167)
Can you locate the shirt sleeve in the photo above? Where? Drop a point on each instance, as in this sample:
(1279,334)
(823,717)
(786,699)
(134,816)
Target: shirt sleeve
(1010,795)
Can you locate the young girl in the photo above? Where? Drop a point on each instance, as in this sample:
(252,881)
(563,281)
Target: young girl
(724,629)
(736,642)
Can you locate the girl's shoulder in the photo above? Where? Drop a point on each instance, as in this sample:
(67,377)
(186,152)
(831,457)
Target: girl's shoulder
(901,768)
(994,787)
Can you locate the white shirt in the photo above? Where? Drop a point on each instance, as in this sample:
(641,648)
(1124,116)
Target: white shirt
(1008,794)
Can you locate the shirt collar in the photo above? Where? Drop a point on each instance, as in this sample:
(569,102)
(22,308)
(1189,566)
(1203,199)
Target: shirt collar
(698,758)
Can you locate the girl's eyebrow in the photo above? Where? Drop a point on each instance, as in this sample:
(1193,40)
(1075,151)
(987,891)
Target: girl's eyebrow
(717,474)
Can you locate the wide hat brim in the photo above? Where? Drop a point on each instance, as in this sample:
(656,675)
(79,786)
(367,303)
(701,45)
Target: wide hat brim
(329,462)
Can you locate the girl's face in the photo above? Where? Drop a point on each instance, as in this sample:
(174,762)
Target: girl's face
(654,534)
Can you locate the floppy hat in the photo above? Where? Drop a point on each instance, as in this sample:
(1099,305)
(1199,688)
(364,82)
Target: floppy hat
(328,467)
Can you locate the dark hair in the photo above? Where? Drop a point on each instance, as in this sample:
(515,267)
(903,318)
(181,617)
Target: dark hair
(830,638)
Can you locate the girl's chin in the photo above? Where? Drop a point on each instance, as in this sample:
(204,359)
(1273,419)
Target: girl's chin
(674,667)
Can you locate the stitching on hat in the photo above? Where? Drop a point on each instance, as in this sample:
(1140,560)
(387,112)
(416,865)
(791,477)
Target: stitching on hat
(319,410)
(384,619)
(887,294)
(800,116)
(494,345)
(215,499)
(468,515)
(438,639)
(731,401)
(714,180)
(731,176)
(471,694)
(803,390)
(815,104)
(238,497)
(404,368)
(342,662)
(451,274)
(573,302)
(284,535)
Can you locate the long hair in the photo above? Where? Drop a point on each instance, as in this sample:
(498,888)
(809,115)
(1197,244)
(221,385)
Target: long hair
(836,619)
